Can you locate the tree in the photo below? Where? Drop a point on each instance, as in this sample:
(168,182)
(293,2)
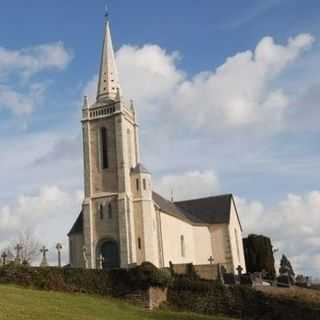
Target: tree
(30,246)
(259,255)
(286,267)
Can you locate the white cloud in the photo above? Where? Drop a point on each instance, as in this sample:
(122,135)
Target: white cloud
(188,185)
(148,73)
(293,225)
(50,213)
(22,98)
(33,160)
(90,89)
(238,94)
(29,61)
(21,103)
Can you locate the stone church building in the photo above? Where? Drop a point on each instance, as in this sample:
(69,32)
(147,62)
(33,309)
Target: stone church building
(122,219)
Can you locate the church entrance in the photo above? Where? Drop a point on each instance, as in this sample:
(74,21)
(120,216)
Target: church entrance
(110,254)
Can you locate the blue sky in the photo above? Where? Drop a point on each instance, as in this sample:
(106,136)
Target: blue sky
(226,103)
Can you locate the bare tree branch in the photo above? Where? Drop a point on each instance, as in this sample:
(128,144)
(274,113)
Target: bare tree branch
(30,245)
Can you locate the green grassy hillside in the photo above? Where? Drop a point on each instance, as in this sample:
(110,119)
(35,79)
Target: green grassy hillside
(17,303)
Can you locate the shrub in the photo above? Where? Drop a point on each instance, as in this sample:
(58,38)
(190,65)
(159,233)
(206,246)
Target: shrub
(116,282)
(209,297)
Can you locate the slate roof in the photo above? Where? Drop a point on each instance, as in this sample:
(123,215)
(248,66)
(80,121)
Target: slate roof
(140,168)
(211,210)
(78,225)
(169,207)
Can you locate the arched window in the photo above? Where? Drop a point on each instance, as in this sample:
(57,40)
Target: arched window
(104,148)
(139,243)
(182,244)
(110,211)
(144,184)
(101,211)
(137,184)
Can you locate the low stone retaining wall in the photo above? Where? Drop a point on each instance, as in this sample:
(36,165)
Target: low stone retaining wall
(242,302)
(204,271)
(150,298)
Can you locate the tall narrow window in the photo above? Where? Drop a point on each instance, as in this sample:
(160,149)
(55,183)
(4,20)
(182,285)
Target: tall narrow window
(144,184)
(104,148)
(182,244)
(110,211)
(139,243)
(137,184)
(101,211)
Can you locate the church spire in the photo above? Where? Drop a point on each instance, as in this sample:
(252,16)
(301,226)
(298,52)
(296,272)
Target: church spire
(108,85)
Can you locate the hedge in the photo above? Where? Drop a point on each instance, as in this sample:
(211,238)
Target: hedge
(114,283)
(208,297)
(185,293)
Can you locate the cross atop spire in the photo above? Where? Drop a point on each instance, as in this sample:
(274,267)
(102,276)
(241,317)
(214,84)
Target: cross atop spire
(106,11)
(108,86)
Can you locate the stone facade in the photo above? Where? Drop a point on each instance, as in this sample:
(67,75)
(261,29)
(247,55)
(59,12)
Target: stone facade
(122,220)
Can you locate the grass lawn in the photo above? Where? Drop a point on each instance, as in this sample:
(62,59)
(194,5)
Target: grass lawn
(18,303)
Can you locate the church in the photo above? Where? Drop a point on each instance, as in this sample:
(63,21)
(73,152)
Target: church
(123,222)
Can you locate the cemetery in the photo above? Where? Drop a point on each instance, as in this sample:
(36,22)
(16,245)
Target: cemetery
(179,287)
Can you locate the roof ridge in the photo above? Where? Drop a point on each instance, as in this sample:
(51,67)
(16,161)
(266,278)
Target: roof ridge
(204,198)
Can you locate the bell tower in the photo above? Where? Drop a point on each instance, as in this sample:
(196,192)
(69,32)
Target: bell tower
(111,150)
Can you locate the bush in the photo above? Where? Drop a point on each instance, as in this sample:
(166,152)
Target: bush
(117,282)
(209,297)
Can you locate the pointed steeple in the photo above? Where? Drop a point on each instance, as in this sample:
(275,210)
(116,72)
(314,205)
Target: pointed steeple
(108,85)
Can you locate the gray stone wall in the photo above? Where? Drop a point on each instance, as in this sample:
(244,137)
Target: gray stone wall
(205,271)
(106,228)
(104,180)
(76,242)
(103,185)
(139,232)
(150,298)
(86,159)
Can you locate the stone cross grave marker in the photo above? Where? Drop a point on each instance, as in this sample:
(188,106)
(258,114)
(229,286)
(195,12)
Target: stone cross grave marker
(59,248)
(18,249)
(4,258)
(44,262)
(100,262)
(239,269)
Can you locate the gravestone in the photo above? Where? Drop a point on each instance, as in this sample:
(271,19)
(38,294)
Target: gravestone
(239,270)
(18,249)
(4,258)
(229,279)
(100,262)
(44,262)
(59,248)
(211,260)
(284,281)
(245,280)
(257,279)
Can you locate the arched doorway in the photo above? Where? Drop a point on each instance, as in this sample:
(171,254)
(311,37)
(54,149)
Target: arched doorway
(110,253)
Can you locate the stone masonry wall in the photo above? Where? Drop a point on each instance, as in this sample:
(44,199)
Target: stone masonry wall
(150,298)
